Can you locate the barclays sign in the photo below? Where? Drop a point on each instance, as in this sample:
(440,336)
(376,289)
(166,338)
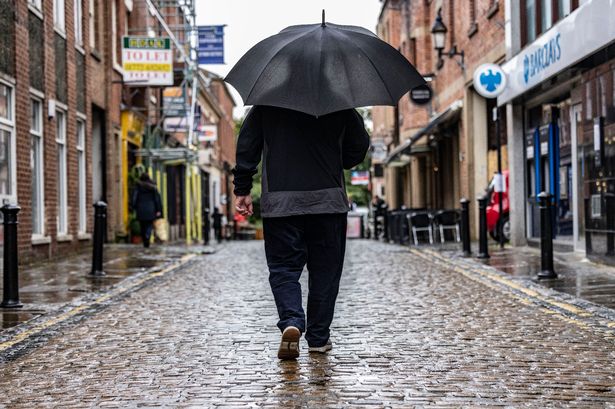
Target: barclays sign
(542,58)
(574,38)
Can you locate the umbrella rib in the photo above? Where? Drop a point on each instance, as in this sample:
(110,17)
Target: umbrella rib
(370,61)
(272,58)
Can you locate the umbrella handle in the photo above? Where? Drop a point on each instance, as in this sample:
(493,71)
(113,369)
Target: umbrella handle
(323,17)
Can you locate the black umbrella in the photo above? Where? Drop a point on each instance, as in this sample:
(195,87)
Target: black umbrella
(323,68)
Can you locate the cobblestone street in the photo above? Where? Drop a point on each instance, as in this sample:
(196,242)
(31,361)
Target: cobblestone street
(408,332)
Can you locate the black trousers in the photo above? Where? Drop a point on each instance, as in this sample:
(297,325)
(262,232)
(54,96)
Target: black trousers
(146,231)
(292,242)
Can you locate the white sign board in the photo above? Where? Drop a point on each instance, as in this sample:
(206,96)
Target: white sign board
(489,80)
(583,32)
(147,61)
(207,133)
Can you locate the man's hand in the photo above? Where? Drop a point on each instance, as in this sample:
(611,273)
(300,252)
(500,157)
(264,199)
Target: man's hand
(243,204)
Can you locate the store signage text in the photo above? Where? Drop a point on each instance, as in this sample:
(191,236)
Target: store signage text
(542,58)
(147,61)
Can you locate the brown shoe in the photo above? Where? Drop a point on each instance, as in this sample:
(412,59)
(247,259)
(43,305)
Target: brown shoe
(289,346)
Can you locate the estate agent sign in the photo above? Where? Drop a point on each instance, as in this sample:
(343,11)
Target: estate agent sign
(147,61)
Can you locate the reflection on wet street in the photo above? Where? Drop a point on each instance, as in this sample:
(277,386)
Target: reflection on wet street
(408,332)
(577,277)
(47,286)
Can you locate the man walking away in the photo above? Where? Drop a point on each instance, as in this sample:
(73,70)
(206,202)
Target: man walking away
(217,217)
(146,201)
(304,208)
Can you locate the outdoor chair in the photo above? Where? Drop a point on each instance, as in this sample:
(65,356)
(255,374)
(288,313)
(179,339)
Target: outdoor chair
(447,220)
(420,222)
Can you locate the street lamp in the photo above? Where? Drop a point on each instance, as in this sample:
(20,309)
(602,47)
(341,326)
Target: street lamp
(438,32)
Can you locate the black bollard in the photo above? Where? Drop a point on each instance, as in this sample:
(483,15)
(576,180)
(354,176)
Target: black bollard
(483,246)
(546,237)
(206,227)
(100,221)
(610,224)
(465,227)
(10,296)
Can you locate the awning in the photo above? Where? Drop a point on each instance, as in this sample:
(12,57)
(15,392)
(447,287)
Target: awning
(397,155)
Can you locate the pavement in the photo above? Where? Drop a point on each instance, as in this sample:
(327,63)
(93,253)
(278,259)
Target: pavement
(47,287)
(576,275)
(413,328)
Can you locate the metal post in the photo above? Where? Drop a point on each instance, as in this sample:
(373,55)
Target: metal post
(483,250)
(610,224)
(10,296)
(496,114)
(100,221)
(546,237)
(465,227)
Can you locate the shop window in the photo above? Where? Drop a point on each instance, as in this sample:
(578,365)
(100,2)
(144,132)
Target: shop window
(37,166)
(602,101)
(62,204)
(589,112)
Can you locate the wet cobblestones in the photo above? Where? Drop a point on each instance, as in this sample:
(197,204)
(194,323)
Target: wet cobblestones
(407,333)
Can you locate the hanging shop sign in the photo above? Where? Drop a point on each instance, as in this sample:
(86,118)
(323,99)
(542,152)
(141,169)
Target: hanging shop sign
(359,177)
(147,61)
(421,95)
(211,45)
(174,102)
(489,80)
(579,35)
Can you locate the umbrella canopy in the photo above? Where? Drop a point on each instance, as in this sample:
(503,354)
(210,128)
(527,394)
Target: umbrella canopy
(323,68)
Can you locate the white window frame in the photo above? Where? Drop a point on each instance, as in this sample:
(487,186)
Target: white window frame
(82,175)
(62,174)
(8,124)
(40,172)
(36,6)
(117,65)
(59,16)
(78,12)
(92,24)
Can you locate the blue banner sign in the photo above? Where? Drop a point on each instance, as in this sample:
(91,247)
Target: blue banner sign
(211,45)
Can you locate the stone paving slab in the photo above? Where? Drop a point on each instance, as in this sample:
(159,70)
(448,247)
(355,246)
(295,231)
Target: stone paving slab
(409,332)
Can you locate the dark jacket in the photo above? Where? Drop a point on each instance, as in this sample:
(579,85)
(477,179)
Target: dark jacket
(303,159)
(146,201)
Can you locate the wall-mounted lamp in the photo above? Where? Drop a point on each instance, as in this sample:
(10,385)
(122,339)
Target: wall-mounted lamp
(438,32)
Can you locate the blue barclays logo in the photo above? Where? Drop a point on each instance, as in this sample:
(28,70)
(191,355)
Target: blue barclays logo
(491,81)
(542,58)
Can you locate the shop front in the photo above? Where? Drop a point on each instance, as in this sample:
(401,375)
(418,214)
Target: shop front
(561,137)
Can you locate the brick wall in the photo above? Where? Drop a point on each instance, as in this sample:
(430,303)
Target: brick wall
(97,91)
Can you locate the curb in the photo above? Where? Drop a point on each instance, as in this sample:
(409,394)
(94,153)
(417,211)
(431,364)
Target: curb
(16,341)
(581,313)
